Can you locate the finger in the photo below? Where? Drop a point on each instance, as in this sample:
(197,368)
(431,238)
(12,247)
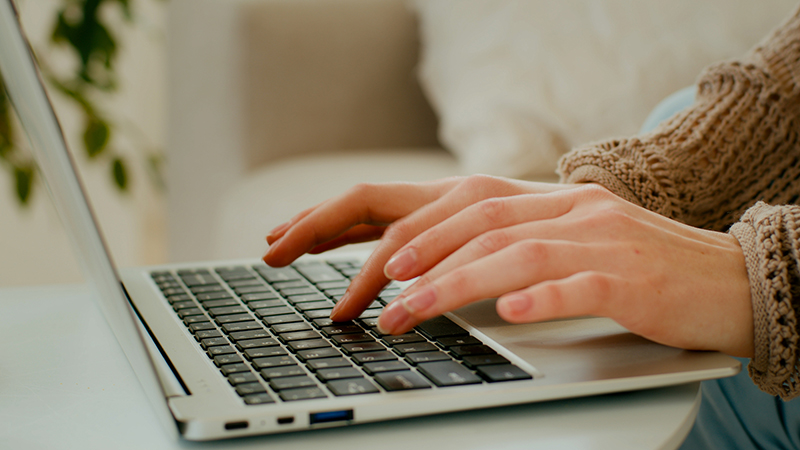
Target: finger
(584,293)
(488,243)
(356,235)
(278,232)
(435,244)
(364,204)
(366,286)
(515,267)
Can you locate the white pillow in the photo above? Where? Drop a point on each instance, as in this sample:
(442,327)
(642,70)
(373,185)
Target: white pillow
(517,83)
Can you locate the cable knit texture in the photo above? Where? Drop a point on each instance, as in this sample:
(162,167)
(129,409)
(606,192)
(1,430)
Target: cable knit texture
(738,144)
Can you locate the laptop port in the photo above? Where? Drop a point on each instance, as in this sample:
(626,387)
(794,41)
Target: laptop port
(236,425)
(330,416)
(285,420)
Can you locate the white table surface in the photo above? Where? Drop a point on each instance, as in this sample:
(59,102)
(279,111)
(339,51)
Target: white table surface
(64,383)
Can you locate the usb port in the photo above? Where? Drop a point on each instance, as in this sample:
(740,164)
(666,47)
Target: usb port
(330,416)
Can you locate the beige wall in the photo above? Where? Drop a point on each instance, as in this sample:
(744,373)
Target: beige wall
(33,246)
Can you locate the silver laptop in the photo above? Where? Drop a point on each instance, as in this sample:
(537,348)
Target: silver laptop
(237,348)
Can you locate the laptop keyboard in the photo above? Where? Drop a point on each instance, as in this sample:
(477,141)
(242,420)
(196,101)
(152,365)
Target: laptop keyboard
(268,331)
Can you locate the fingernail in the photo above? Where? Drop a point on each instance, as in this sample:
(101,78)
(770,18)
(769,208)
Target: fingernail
(420,300)
(400,264)
(516,304)
(338,305)
(393,316)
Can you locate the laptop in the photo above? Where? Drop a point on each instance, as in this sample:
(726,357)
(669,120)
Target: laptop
(235,348)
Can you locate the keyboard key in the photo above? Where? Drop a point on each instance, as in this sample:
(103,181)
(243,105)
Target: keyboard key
(295,299)
(210,342)
(194,319)
(213,296)
(341,284)
(258,399)
(362,358)
(403,339)
(289,327)
(341,329)
(178,298)
(401,381)
(424,357)
(328,363)
(199,280)
(341,339)
(260,296)
(240,378)
(252,289)
(503,372)
(440,327)
(201,326)
(298,291)
(307,344)
(454,341)
(205,334)
(353,386)
(282,371)
(291,284)
(217,303)
(317,353)
(471,350)
(229,369)
(258,304)
(326,375)
(299,335)
(233,318)
(250,388)
(287,318)
(318,313)
(369,322)
(205,289)
(221,350)
(384,366)
(319,272)
(274,311)
(221,360)
(277,274)
(241,326)
(173,291)
(244,282)
(312,306)
(177,306)
(324,322)
(190,312)
(484,360)
(255,343)
(362,347)
(415,347)
(225,310)
(370,313)
(262,352)
(273,361)
(302,381)
(250,334)
(291,395)
(448,373)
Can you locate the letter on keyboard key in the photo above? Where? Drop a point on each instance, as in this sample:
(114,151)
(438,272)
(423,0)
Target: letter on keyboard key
(448,373)
(352,386)
(401,381)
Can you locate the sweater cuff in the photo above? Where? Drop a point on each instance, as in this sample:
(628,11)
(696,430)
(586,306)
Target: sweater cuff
(769,239)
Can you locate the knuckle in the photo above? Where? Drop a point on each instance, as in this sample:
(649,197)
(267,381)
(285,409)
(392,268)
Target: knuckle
(531,251)
(361,189)
(493,210)
(493,241)
(599,287)
(594,191)
(554,295)
(398,231)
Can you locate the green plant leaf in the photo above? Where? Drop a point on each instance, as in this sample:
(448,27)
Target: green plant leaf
(95,137)
(24,181)
(120,174)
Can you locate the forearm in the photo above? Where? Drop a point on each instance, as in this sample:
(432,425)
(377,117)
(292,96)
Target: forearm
(708,164)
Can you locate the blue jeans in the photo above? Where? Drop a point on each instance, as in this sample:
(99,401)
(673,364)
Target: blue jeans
(734,413)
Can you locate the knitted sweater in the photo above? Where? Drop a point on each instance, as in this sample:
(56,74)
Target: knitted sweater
(713,166)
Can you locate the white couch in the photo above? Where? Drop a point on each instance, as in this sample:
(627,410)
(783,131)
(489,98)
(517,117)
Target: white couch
(276,105)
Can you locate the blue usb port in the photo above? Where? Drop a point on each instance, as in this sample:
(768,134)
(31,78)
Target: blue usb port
(330,416)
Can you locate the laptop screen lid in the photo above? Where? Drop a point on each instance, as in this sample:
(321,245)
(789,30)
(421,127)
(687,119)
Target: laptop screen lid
(34,109)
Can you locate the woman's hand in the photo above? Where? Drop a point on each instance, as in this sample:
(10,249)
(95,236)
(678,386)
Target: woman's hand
(548,251)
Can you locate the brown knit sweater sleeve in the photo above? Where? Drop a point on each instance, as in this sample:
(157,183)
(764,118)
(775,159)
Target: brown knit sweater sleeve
(738,144)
